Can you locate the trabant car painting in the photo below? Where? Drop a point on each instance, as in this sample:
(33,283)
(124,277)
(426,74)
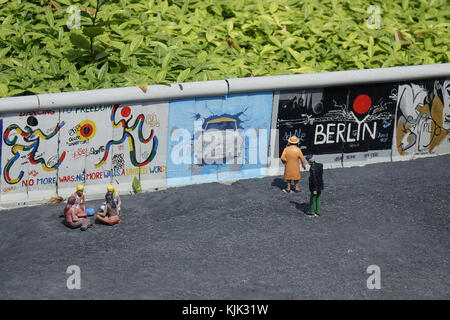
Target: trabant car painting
(220,142)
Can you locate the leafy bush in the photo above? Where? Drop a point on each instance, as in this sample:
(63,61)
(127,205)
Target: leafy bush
(128,43)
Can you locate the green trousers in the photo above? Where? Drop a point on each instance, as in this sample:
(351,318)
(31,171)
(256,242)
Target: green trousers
(314,203)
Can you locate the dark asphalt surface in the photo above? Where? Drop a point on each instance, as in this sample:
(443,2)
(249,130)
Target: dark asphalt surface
(247,240)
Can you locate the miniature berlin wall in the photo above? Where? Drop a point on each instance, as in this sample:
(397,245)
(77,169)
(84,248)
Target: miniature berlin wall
(233,136)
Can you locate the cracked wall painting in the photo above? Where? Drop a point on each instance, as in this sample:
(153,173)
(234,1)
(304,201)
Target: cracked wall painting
(339,124)
(423,119)
(220,138)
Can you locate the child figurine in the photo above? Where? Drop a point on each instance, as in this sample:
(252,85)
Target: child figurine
(315,185)
(290,156)
(110,210)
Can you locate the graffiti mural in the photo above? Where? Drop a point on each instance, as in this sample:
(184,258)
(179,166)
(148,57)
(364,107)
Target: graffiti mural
(30,153)
(353,121)
(124,122)
(30,147)
(50,152)
(423,119)
(113,144)
(138,144)
(218,138)
(196,140)
(84,141)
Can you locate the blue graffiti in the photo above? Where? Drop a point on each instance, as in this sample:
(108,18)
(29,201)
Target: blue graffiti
(383,137)
(387,123)
(297,132)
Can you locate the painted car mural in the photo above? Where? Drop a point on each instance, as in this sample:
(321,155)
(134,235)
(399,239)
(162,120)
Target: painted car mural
(220,141)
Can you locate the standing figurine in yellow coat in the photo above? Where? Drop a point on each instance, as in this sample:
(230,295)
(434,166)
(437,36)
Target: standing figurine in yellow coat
(290,156)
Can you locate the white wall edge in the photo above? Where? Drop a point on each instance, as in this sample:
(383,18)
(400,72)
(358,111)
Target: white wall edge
(220,87)
(339,78)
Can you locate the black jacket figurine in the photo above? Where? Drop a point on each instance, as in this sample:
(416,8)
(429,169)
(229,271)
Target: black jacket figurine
(315,177)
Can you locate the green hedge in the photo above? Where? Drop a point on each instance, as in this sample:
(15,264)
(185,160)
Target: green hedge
(138,42)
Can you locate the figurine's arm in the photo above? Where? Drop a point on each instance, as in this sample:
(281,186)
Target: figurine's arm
(283,156)
(302,159)
(74,216)
(83,201)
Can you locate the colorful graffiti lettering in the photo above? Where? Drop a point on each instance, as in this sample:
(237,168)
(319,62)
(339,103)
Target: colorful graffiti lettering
(80,152)
(36,113)
(127,129)
(34,138)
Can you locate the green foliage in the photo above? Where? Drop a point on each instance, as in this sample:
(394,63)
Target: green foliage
(136,185)
(133,42)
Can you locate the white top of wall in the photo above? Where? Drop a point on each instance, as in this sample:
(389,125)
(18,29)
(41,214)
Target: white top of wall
(221,87)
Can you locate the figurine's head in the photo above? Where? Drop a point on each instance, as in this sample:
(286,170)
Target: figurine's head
(293,140)
(309,159)
(80,189)
(71,200)
(111,190)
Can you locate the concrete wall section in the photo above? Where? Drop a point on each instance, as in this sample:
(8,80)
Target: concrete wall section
(83,140)
(312,115)
(48,153)
(30,155)
(112,145)
(371,113)
(341,126)
(422,120)
(222,138)
(144,146)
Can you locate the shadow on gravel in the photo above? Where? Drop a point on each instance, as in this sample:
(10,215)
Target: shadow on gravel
(280,183)
(303,207)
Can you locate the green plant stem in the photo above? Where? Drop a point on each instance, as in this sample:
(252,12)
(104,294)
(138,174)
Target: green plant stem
(93,25)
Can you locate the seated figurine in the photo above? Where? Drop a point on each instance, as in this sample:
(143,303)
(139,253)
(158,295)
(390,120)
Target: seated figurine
(110,210)
(71,219)
(80,201)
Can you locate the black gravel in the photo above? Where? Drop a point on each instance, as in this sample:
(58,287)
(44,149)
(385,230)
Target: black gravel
(247,240)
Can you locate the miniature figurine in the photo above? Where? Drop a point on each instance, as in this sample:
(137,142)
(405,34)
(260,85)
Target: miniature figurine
(290,156)
(71,219)
(315,185)
(80,201)
(110,210)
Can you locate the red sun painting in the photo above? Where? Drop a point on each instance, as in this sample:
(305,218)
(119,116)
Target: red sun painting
(125,112)
(362,104)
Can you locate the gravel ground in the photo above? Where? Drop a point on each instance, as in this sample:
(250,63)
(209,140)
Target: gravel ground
(247,240)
